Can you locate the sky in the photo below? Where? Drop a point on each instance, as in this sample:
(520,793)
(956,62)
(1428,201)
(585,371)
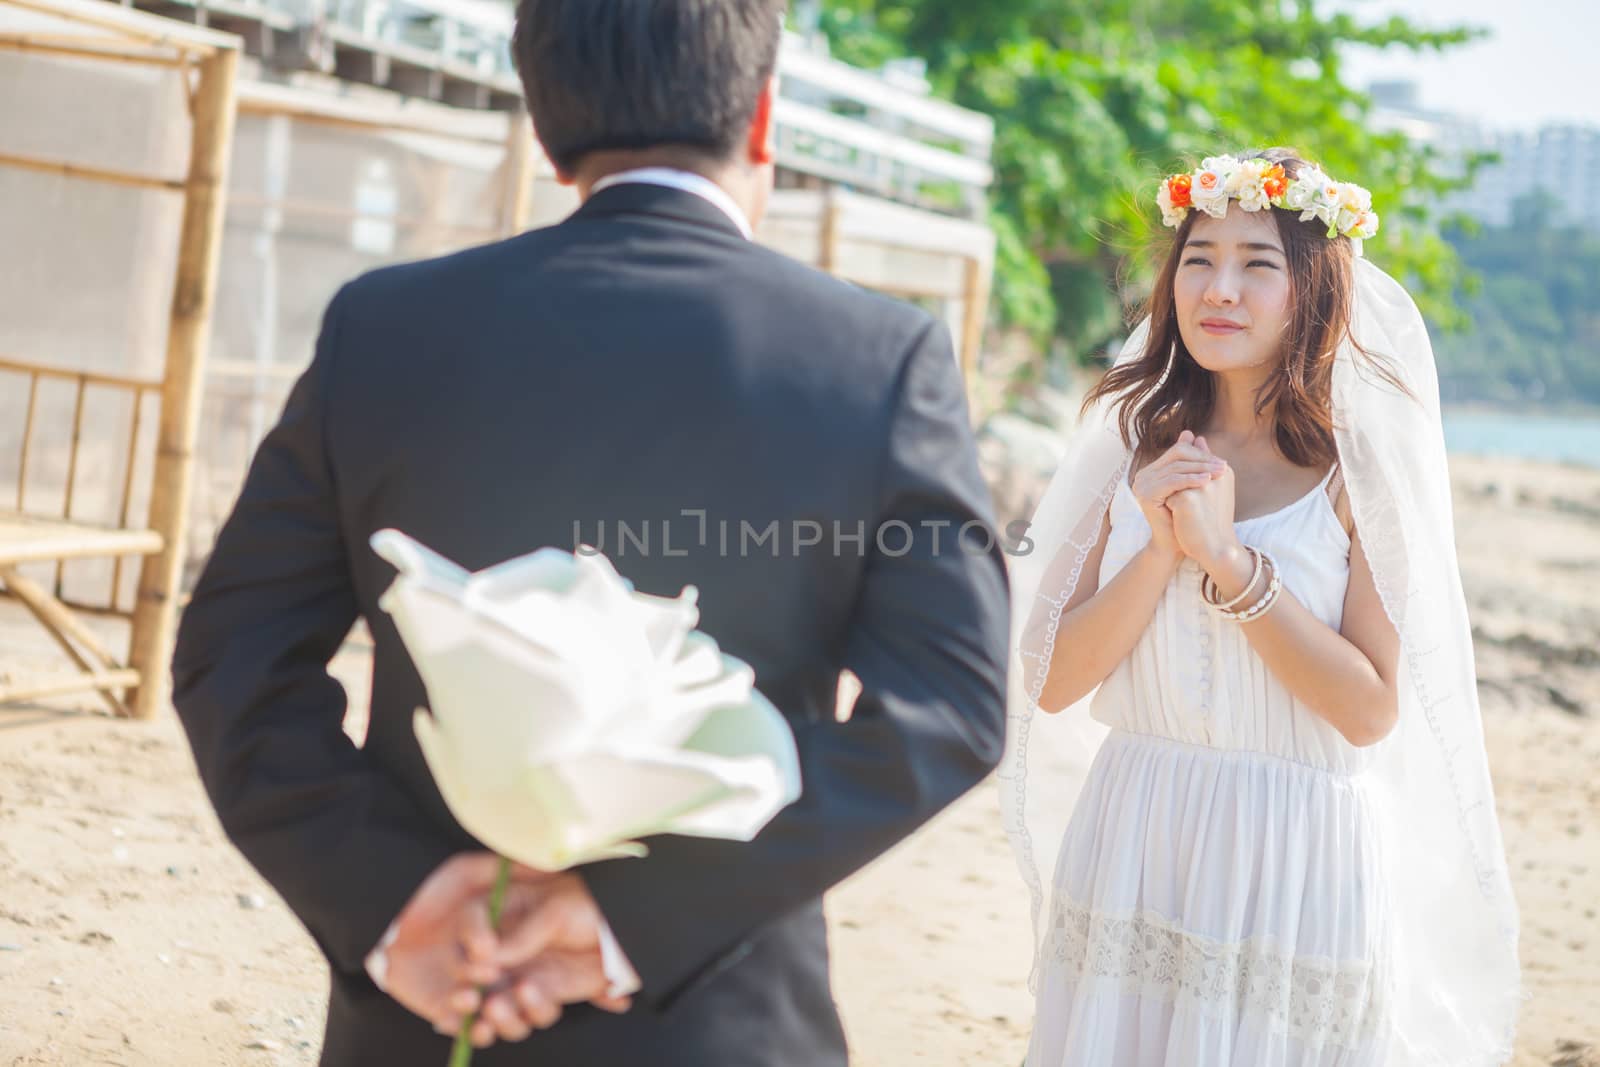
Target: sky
(1541,63)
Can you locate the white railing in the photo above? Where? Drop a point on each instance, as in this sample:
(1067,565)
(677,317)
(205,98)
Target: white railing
(850,152)
(810,77)
(836,123)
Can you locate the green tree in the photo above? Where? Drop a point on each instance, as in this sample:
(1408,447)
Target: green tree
(1535,331)
(1095,100)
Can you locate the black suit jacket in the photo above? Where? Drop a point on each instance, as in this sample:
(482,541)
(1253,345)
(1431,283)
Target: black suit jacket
(641,364)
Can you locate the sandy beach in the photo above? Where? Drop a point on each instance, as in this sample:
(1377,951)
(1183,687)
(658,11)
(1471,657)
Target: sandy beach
(132,934)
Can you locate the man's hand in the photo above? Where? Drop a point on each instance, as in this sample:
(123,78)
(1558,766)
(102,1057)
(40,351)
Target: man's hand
(430,972)
(548,948)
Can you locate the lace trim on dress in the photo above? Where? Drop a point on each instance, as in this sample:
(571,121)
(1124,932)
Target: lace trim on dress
(1081,551)
(1016,768)
(1312,999)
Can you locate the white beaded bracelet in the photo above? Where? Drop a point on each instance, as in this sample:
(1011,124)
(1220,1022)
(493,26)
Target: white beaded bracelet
(1262,605)
(1255,572)
(1211,592)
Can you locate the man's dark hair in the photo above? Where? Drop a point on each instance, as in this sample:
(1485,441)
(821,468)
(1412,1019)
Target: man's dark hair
(630,74)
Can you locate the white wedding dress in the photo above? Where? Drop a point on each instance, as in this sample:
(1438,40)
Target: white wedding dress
(1220,896)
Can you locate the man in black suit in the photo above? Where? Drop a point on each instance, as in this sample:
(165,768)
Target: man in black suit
(796,448)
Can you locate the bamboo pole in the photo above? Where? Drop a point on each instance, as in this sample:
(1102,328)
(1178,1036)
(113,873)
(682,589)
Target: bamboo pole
(52,539)
(193,296)
(63,40)
(54,614)
(88,377)
(516,196)
(78,607)
(72,683)
(72,468)
(975,314)
(136,25)
(63,169)
(97,49)
(828,233)
(73,451)
(27,438)
(60,624)
(127,491)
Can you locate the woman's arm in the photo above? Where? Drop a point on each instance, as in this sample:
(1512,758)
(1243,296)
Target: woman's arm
(1099,627)
(1350,677)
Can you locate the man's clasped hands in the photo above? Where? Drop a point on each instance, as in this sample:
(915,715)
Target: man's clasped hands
(445,960)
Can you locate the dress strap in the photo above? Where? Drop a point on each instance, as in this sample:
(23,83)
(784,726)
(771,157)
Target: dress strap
(1335,487)
(1334,482)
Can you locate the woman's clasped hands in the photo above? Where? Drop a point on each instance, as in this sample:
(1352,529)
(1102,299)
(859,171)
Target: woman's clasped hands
(1186,494)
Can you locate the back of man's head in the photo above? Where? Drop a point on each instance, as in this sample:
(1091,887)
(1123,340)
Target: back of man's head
(635,74)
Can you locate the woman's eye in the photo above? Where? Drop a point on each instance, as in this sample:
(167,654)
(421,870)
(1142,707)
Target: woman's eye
(1197,261)
(1263,263)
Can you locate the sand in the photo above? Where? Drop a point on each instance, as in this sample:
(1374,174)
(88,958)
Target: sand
(131,933)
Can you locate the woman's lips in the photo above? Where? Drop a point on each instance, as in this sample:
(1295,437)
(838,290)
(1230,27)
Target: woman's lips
(1220,327)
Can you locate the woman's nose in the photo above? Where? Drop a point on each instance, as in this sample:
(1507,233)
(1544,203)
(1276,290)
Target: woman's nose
(1223,289)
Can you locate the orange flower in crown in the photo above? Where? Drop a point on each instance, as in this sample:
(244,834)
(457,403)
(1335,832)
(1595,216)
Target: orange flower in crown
(1274,182)
(1178,188)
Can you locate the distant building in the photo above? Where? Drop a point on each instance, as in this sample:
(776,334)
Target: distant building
(1562,160)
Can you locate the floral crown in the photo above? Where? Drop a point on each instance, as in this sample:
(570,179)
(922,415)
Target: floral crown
(1344,207)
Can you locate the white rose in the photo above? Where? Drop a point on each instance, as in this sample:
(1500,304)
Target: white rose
(1303,192)
(1244,184)
(1210,191)
(1354,198)
(571,715)
(1254,198)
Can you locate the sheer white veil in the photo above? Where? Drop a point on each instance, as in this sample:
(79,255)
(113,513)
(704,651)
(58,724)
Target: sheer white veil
(1455,919)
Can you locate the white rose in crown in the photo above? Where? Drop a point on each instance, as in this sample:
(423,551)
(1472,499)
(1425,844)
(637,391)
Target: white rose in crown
(1305,192)
(1211,184)
(571,716)
(1247,185)
(1354,205)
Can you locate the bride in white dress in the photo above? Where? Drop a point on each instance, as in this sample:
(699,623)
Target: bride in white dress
(1228,889)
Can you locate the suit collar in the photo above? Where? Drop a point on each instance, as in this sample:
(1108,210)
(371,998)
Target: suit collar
(639,198)
(688,181)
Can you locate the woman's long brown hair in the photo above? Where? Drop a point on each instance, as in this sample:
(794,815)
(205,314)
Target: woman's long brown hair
(1153,410)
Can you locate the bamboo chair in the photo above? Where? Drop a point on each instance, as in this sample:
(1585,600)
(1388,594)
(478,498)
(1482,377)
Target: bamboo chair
(136,684)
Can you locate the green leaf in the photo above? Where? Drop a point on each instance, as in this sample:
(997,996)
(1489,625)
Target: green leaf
(1094,99)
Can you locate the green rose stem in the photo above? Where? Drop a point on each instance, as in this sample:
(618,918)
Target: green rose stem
(461,1054)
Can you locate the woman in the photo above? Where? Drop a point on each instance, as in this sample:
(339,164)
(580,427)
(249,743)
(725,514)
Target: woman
(1249,564)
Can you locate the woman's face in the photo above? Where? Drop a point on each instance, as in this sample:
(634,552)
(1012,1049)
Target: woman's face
(1232,291)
